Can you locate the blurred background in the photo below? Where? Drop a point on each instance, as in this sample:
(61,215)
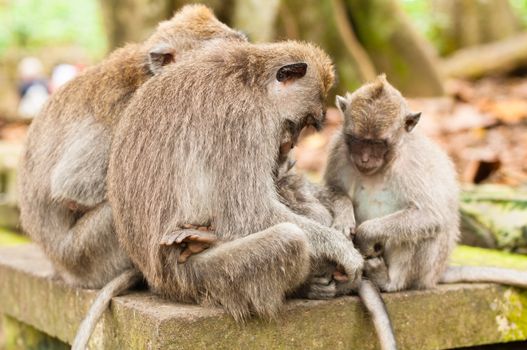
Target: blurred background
(463,63)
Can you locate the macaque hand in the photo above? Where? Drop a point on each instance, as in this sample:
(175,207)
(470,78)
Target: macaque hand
(376,271)
(367,239)
(321,287)
(189,240)
(345,224)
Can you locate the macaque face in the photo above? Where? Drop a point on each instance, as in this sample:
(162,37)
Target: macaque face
(368,155)
(306,106)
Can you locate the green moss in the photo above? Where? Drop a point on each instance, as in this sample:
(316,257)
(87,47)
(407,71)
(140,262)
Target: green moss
(10,238)
(20,336)
(512,320)
(472,256)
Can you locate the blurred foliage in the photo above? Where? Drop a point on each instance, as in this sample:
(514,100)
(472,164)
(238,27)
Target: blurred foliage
(36,24)
(520,7)
(432,23)
(10,238)
(472,256)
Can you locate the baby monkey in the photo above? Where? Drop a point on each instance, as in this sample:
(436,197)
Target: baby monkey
(396,193)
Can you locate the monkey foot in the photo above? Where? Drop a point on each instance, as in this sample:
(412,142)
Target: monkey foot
(190,239)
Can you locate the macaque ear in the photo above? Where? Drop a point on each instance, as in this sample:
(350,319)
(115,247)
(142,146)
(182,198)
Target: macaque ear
(342,103)
(291,72)
(160,56)
(410,121)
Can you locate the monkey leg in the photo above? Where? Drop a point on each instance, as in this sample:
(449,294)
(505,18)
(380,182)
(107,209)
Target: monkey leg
(77,249)
(249,275)
(392,271)
(375,270)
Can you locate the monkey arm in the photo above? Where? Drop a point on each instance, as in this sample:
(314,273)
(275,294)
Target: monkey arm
(327,244)
(410,225)
(338,179)
(343,214)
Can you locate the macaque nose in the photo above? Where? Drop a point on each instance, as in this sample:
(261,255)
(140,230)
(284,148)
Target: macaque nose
(365,158)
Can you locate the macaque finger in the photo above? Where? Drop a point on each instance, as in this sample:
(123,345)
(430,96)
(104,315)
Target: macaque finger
(202,237)
(197,247)
(183,257)
(169,238)
(340,277)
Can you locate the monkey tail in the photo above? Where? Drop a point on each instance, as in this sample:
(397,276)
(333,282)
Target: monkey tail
(457,274)
(115,287)
(371,297)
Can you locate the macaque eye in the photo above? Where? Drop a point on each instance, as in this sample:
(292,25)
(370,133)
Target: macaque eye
(291,72)
(316,123)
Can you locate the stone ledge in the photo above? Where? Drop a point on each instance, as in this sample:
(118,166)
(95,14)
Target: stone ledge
(447,317)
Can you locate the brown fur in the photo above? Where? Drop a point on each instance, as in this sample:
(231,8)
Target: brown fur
(206,150)
(63,170)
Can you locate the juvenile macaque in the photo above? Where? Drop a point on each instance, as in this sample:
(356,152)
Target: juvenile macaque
(400,191)
(206,151)
(397,187)
(63,199)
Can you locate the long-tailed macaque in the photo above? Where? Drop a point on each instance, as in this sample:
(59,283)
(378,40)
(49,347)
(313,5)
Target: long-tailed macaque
(63,199)
(400,191)
(204,151)
(63,172)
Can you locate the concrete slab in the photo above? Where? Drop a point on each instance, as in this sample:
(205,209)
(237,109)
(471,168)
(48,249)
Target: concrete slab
(447,317)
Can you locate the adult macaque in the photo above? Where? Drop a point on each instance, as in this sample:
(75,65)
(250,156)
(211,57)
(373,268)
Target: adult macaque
(205,151)
(63,199)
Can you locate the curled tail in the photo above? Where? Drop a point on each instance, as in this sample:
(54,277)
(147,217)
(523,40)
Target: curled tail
(456,274)
(118,285)
(371,298)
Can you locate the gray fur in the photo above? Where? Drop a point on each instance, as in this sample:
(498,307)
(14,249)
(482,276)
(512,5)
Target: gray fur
(205,150)
(404,203)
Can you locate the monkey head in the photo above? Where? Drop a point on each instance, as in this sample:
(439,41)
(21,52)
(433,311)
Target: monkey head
(376,120)
(297,87)
(190,28)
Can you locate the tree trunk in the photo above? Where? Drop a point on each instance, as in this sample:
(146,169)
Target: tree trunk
(497,57)
(256,18)
(134,20)
(315,21)
(395,47)
(464,23)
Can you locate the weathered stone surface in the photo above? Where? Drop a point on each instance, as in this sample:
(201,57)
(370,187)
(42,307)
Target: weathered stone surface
(20,336)
(449,316)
